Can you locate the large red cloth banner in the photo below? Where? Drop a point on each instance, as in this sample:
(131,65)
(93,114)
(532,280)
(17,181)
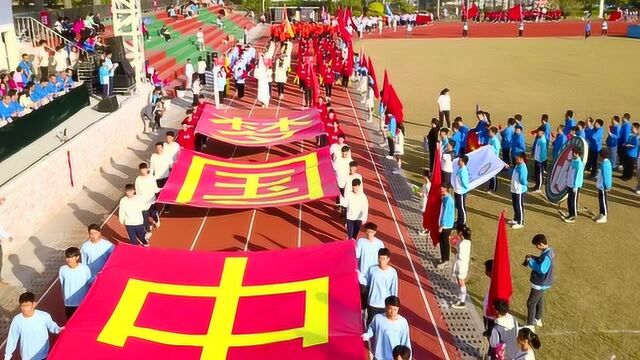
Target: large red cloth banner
(219,305)
(234,129)
(204,180)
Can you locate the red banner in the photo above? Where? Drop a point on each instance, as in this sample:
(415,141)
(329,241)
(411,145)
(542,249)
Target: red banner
(219,305)
(234,129)
(204,180)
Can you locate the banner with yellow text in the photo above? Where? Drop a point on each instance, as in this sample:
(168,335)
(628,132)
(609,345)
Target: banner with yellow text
(241,131)
(281,304)
(204,180)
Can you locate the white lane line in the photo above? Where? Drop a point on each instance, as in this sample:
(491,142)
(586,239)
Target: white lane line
(206,215)
(399,231)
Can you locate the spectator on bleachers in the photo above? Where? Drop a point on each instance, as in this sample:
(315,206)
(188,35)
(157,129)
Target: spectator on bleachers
(12,82)
(145,32)
(97,20)
(20,77)
(90,24)
(78,26)
(15,105)
(61,58)
(164,32)
(24,98)
(6,113)
(65,80)
(4,86)
(57,26)
(41,59)
(27,66)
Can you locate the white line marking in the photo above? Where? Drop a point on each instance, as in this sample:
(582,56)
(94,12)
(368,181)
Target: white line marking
(399,231)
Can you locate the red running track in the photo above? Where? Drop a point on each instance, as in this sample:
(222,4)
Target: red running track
(301,225)
(453,29)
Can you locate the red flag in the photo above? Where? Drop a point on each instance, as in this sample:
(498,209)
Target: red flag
(501,286)
(394,105)
(431,216)
(363,59)
(315,86)
(372,73)
(473,142)
(385,86)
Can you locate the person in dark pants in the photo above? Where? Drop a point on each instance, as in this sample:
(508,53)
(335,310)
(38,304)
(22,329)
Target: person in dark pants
(130,215)
(594,139)
(539,154)
(630,152)
(382,279)
(447,213)
(460,189)
(542,275)
(392,128)
(357,209)
(575,180)
(444,107)
(604,183)
(432,140)
(489,321)
(518,191)
(103,75)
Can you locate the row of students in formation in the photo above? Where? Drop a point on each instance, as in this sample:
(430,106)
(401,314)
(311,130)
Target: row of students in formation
(31,327)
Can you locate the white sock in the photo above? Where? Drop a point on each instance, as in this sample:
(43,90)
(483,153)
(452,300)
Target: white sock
(463,293)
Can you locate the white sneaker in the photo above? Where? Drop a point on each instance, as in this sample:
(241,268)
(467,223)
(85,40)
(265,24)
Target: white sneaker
(517,226)
(442,265)
(539,191)
(458,305)
(147,236)
(512,222)
(637,192)
(601,219)
(538,323)
(423,233)
(389,157)
(569,220)
(157,224)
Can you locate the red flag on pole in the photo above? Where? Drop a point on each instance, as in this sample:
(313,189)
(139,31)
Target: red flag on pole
(372,73)
(315,86)
(431,216)
(501,287)
(394,105)
(385,86)
(363,59)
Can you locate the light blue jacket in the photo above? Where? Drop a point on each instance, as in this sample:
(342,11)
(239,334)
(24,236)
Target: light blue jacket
(578,167)
(446,212)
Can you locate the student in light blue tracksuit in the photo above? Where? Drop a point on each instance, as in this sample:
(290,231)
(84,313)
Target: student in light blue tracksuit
(460,189)
(594,139)
(544,122)
(539,154)
(612,140)
(575,180)
(604,183)
(623,135)
(517,142)
(518,190)
(445,224)
(507,135)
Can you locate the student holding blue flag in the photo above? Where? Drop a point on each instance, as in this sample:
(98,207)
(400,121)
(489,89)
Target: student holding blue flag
(604,183)
(575,180)
(539,153)
(460,189)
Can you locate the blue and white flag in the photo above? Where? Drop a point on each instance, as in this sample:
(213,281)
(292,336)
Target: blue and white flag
(387,10)
(483,165)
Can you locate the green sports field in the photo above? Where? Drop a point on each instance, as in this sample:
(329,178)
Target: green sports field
(593,310)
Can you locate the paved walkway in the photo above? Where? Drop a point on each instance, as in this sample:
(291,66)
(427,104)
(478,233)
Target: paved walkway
(34,265)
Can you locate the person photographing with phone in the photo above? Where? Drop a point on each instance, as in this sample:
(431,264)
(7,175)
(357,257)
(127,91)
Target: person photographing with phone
(542,275)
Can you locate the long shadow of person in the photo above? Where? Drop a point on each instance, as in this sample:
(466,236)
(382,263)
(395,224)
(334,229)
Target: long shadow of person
(24,273)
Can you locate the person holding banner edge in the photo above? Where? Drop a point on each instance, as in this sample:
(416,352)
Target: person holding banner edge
(494,142)
(460,189)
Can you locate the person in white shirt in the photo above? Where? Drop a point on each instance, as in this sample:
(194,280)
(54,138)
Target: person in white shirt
(160,165)
(201,68)
(31,327)
(75,279)
(357,209)
(130,215)
(335,149)
(171,148)
(444,107)
(341,167)
(96,251)
(462,250)
(188,73)
(527,341)
(61,59)
(353,174)
(147,188)
(41,60)
(200,40)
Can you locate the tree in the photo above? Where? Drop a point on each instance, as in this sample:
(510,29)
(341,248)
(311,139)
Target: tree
(375,9)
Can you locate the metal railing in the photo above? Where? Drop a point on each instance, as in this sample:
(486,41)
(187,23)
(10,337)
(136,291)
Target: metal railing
(33,30)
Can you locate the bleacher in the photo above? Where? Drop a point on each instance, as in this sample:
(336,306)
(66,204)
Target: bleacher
(169,58)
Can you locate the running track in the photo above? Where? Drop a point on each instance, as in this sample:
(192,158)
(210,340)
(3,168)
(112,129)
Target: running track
(301,225)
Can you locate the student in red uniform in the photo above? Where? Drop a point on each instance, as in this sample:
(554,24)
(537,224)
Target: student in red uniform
(189,119)
(186,137)
(328,78)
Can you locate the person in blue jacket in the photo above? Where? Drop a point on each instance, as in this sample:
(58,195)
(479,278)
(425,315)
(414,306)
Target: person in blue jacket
(613,136)
(517,142)
(575,180)
(580,129)
(625,131)
(569,122)
(103,74)
(604,183)
(445,224)
(631,152)
(392,128)
(494,142)
(519,185)
(544,122)
(482,127)
(594,139)
(558,142)
(541,278)
(457,137)
(507,135)
(463,130)
(539,154)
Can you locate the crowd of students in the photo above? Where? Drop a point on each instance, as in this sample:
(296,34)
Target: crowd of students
(31,85)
